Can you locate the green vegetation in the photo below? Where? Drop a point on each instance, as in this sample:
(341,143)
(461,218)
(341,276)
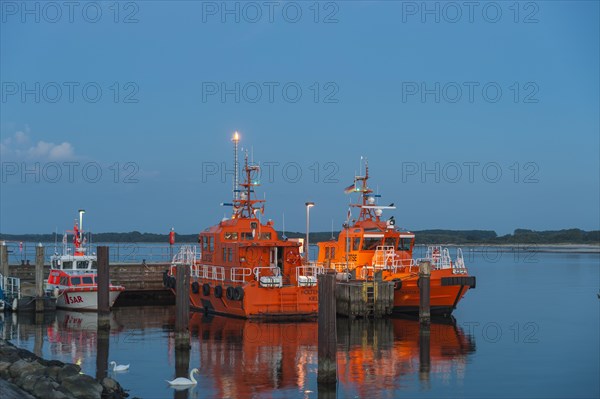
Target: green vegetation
(520,236)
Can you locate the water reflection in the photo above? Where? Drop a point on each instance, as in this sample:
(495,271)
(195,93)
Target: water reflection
(239,358)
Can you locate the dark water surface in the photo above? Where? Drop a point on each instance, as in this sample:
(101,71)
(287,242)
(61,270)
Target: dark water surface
(529,329)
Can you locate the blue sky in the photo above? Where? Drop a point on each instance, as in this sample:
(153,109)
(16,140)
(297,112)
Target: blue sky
(482,118)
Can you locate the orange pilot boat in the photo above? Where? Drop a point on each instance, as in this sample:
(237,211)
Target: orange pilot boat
(245,270)
(369,245)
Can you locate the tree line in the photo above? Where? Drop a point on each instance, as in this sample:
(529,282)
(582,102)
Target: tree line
(519,236)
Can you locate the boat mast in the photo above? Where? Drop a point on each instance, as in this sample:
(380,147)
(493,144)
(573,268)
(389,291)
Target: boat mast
(235,139)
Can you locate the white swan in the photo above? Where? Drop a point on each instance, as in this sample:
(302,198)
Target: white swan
(120,367)
(181,381)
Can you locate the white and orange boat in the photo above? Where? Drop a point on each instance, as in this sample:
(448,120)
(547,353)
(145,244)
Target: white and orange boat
(245,269)
(369,245)
(72,278)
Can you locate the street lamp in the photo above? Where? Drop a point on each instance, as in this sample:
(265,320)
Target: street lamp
(308,206)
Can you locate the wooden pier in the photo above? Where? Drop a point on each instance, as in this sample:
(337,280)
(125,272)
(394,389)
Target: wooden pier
(144,285)
(358,298)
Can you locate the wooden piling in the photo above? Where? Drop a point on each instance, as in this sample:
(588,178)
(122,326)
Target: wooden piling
(182,307)
(102,280)
(39,278)
(424,292)
(424,352)
(4,259)
(327,372)
(102,350)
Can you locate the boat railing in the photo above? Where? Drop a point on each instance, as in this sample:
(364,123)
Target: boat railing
(307,275)
(459,267)
(11,287)
(385,257)
(403,264)
(258,271)
(211,272)
(341,267)
(239,274)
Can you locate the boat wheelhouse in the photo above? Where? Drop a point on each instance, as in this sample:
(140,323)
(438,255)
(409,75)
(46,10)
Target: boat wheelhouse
(72,278)
(245,269)
(370,245)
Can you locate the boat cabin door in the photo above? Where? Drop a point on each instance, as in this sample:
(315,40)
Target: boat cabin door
(277,258)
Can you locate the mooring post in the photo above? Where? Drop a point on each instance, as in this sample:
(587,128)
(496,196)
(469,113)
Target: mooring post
(424,290)
(102,350)
(39,278)
(102,281)
(182,307)
(424,352)
(4,259)
(327,372)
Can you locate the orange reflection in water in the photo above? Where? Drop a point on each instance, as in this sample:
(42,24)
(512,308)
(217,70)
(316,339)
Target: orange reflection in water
(243,358)
(375,355)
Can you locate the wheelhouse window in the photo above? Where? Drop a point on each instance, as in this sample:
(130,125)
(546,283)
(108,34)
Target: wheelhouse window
(229,235)
(247,236)
(329,252)
(87,280)
(390,242)
(67,265)
(371,243)
(82,264)
(404,244)
(224,255)
(229,254)
(356,243)
(211,244)
(55,264)
(75,280)
(94,264)
(265,236)
(64,281)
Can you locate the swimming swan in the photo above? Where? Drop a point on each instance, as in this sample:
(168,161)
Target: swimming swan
(119,367)
(181,381)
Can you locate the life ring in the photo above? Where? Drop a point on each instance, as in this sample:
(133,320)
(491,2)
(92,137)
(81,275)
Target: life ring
(238,293)
(291,257)
(218,291)
(229,293)
(206,289)
(195,287)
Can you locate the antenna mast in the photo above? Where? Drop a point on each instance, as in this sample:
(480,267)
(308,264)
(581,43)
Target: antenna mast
(235,139)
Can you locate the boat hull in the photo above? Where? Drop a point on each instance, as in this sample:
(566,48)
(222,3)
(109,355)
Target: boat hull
(78,299)
(446,291)
(256,302)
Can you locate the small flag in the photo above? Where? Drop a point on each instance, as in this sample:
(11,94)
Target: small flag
(350,188)
(349,214)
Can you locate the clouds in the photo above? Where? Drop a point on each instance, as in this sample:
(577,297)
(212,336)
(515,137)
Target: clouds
(20,146)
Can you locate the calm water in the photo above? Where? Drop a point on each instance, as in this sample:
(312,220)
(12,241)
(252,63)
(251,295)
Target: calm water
(529,329)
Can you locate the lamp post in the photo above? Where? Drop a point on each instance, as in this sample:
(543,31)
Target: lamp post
(308,206)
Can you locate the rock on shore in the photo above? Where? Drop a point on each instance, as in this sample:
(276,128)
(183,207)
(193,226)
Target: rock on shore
(25,375)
